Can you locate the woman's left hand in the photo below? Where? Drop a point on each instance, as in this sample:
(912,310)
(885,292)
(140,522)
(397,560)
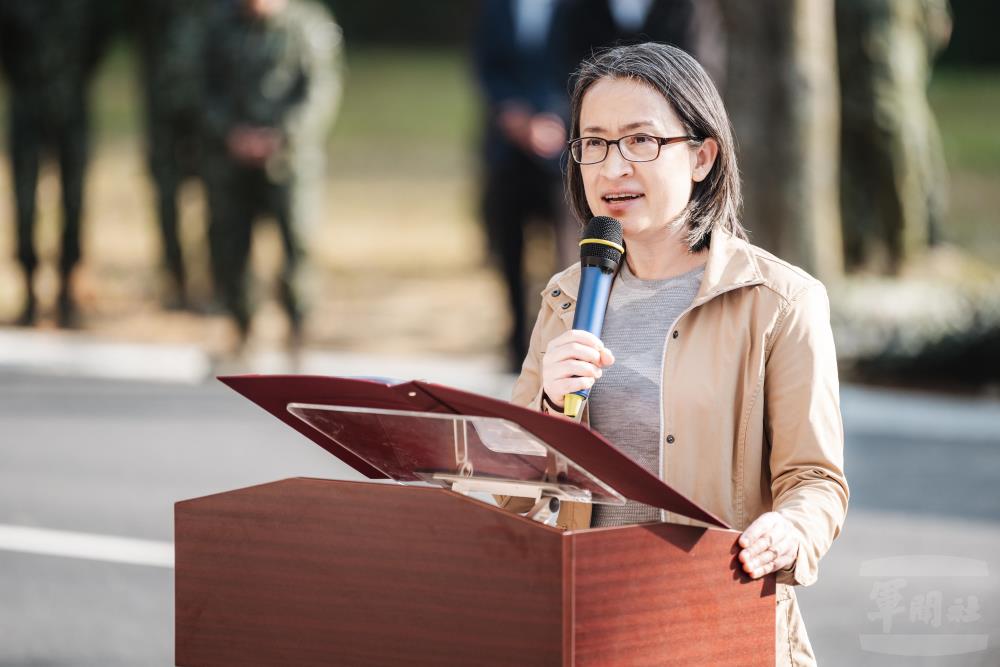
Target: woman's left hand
(768,544)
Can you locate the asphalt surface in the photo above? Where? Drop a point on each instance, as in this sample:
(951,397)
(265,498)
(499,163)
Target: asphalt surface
(110,458)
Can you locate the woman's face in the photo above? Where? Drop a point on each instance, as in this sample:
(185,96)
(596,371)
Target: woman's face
(613,108)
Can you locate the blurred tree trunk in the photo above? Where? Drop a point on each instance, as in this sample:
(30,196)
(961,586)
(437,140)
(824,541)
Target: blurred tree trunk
(782,94)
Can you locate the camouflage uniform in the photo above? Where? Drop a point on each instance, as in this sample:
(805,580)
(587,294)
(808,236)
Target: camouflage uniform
(49,51)
(261,72)
(169,45)
(894,180)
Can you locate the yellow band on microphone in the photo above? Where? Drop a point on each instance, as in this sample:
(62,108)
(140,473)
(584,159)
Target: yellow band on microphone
(572,405)
(611,244)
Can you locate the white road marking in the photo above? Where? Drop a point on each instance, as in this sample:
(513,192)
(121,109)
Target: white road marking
(71,354)
(68,544)
(81,355)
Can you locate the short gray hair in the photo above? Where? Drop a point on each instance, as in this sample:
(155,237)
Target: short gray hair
(687,87)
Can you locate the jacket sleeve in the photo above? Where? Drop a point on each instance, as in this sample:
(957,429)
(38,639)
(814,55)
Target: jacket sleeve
(527,390)
(805,430)
(214,91)
(528,393)
(492,55)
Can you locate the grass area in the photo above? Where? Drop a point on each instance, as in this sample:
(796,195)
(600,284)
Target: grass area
(402,111)
(966,103)
(116,102)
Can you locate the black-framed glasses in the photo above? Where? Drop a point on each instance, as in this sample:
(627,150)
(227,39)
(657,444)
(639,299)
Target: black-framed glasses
(633,147)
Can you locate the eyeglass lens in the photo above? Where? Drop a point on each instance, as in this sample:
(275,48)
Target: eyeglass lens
(636,148)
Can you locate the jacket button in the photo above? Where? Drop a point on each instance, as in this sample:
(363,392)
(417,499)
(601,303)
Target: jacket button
(676,334)
(565,305)
(556,292)
(670,439)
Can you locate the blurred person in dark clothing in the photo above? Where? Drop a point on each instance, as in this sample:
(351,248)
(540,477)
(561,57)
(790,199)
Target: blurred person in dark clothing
(261,59)
(522,66)
(525,52)
(893,178)
(168,35)
(49,51)
(692,25)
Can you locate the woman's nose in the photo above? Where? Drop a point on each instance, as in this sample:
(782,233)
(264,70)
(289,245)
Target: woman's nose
(614,164)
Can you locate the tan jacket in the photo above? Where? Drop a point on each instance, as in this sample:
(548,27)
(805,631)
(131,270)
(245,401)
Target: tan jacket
(751,410)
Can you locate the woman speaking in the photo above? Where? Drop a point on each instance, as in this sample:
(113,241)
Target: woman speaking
(717,366)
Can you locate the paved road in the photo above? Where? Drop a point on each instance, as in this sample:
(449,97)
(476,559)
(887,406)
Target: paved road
(110,458)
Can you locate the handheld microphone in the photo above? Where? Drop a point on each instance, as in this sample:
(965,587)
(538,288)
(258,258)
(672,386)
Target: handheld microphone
(601,252)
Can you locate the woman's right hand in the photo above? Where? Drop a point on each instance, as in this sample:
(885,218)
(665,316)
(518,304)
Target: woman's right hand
(573,361)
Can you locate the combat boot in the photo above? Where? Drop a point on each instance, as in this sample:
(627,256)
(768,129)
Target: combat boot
(29,314)
(67,314)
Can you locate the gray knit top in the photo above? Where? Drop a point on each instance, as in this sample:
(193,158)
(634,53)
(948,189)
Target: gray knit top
(625,402)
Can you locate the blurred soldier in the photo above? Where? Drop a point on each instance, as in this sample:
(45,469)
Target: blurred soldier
(169,44)
(894,181)
(49,50)
(265,66)
(522,64)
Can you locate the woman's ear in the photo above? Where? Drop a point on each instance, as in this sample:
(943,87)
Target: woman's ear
(704,158)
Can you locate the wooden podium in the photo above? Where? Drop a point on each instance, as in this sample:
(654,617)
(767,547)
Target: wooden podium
(322,572)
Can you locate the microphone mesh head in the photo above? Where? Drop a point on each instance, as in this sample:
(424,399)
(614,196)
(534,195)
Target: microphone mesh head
(602,227)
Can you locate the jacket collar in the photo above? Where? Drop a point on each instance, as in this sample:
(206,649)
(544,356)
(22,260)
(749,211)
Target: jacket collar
(731,264)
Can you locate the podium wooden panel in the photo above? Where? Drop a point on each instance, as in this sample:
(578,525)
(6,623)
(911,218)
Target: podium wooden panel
(319,572)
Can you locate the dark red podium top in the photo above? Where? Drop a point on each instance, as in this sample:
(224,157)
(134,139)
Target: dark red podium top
(410,430)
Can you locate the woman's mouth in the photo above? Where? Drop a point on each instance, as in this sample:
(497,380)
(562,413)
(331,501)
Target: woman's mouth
(621,200)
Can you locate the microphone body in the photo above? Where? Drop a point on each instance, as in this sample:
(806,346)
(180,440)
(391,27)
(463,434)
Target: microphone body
(592,303)
(601,253)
